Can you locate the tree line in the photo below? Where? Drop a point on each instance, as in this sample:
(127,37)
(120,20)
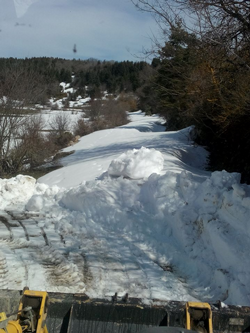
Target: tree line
(202,75)
(98,76)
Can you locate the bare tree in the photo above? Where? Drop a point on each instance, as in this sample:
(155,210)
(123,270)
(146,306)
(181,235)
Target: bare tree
(18,88)
(82,127)
(104,114)
(115,112)
(220,23)
(95,111)
(60,133)
(31,146)
(168,15)
(60,123)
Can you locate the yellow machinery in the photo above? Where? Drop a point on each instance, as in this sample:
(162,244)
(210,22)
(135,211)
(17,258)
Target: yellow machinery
(31,315)
(199,317)
(73,313)
(33,308)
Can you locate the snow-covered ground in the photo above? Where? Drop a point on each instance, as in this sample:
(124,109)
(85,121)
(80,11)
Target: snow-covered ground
(49,117)
(132,211)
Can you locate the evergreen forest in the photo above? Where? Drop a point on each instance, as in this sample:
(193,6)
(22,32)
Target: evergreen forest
(98,76)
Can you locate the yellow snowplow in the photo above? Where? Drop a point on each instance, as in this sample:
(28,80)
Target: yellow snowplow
(77,313)
(31,315)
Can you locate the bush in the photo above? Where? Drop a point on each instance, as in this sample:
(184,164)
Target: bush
(102,115)
(81,127)
(54,106)
(130,101)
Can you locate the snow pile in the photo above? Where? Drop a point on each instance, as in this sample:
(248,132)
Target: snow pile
(179,221)
(43,198)
(15,190)
(143,221)
(209,220)
(136,164)
(106,199)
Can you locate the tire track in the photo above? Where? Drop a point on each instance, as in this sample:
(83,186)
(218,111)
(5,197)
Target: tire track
(44,235)
(3,271)
(21,224)
(87,275)
(7,225)
(61,271)
(105,268)
(135,263)
(13,269)
(33,217)
(71,262)
(61,268)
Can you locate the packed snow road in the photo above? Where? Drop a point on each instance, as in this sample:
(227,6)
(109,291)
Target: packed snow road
(34,253)
(132,211)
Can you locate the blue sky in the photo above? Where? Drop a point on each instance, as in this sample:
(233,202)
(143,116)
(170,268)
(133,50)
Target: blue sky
(101,29)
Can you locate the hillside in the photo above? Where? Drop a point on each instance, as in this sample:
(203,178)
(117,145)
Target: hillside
(90,77)
(131,211)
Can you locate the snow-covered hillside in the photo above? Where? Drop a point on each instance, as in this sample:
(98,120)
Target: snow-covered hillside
(132,211)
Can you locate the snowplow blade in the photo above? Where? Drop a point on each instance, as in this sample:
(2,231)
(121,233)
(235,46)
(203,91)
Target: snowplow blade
(69,313)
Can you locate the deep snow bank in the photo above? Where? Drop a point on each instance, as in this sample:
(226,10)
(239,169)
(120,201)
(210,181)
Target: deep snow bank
(209,221)
(148,210)
(198,226)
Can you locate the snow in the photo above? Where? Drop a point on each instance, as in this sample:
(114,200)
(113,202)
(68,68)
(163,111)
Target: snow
(49,116)
(15,190)
(133,211)
(137,163)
